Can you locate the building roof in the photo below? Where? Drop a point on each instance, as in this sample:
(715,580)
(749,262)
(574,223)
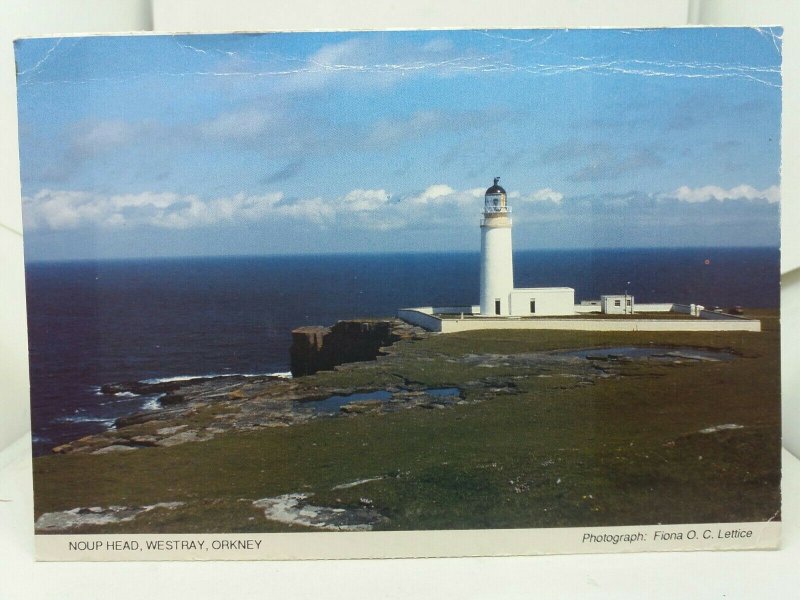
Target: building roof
(545,289)
(496,188)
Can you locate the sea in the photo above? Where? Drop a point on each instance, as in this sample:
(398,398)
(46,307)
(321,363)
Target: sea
(98,322)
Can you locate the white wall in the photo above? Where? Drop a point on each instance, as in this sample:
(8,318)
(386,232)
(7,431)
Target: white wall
(655,307)
(420,317)
(549,301)
(497,268)
(578,324)
(467,310)
(587,308)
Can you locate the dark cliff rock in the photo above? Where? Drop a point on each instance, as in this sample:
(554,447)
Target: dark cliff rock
(305,353)
(322,348)
(172,398)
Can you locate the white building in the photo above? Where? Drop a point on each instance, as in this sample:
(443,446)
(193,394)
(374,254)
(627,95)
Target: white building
(616,304)
(499,297)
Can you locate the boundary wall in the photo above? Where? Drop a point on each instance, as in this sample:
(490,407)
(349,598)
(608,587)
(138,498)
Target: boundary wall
(427,318)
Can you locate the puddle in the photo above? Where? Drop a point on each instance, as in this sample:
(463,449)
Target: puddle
(442,392)
(332,405)
(665,353)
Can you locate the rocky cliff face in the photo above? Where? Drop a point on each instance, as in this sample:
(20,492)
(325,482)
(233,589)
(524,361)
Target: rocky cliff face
(322,348)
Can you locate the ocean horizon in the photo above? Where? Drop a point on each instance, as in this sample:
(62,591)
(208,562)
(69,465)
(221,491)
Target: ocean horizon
(476,252)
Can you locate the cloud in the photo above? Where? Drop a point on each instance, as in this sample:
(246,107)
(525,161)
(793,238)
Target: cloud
(272,131)
(365,200)
(438,206)
(277,129)
(326,62)
(430,194)
(707,193)
(358,209)
(437,210)
(527,55)
(374,61)
(440,44)
(305,210)
(544,195)
(239,125)
(59,210)
(84,141)
(91,138)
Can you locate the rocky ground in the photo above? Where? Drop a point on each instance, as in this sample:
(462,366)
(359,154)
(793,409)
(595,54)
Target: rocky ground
(196,410)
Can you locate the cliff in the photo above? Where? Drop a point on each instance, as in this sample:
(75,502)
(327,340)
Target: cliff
(317,348)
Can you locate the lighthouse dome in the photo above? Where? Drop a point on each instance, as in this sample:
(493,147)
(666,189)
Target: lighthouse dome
(495,201)
(496,188)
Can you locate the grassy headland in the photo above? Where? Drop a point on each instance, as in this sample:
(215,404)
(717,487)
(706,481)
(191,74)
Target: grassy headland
(534,445)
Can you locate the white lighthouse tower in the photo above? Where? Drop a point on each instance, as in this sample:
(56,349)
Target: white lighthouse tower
(497,269)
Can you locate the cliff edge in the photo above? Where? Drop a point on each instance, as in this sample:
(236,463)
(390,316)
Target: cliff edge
(317,348)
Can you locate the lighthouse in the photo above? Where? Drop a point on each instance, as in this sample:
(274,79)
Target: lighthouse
(497,269)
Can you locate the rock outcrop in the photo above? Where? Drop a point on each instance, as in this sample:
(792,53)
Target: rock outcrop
(319,348)
(294,509)
(206,407)
(95,515)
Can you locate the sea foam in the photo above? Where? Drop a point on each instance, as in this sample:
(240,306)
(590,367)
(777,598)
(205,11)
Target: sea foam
(283,374)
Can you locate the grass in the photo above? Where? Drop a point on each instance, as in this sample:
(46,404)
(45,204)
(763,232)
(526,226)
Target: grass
(554,453)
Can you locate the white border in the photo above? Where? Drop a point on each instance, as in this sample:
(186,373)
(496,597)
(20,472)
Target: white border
(408,544)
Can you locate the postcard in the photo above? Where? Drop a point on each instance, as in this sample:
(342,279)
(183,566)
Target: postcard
(403,293)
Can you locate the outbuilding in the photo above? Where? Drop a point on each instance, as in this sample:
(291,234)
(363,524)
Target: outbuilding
(616,304)
(542,302)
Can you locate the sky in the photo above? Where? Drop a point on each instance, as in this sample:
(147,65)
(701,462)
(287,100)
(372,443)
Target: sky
(264,144)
